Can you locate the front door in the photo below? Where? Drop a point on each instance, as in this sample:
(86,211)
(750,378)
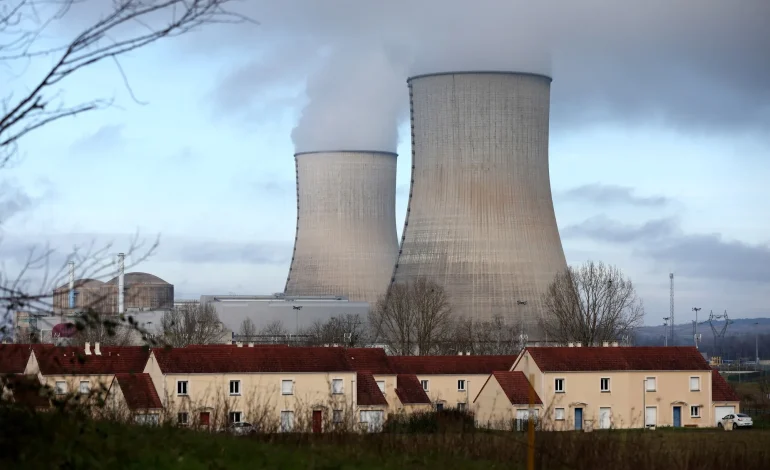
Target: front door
(318,416)
(578,419)
(204,418)
(677,416)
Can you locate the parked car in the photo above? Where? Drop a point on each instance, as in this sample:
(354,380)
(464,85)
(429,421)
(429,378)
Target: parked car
(240,429)
(737,420)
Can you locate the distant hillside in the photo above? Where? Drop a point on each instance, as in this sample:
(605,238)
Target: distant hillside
(740,326)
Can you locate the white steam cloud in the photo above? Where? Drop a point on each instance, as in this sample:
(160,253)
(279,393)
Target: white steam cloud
(695,65)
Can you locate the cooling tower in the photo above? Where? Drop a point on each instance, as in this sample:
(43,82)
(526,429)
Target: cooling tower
(346,241)
(480,220)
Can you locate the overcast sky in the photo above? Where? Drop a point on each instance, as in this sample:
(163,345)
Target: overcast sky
(660,136)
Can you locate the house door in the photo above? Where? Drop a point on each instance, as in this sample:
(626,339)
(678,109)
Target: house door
(318,420)
(578,419)
(204,418)
(677,416)
(605,421)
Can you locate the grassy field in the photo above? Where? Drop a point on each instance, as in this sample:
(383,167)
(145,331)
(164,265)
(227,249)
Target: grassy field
(55,441)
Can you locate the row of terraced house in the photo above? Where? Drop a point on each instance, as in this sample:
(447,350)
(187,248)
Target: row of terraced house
(284,388)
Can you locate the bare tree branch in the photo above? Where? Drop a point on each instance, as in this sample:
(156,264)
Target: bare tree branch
(192,324)
(591,304)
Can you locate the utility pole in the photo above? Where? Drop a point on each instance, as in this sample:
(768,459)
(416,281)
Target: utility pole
(665,330)
(756,344)
(695,327)
(671,313)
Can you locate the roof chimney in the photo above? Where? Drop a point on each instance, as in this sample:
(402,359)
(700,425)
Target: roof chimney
(97,351)
(239,344)
(467,353)
(605,344)
(460,353)
(578,344)
(571,345)
(88,348)
(614,344)
(121,298)
(251,345)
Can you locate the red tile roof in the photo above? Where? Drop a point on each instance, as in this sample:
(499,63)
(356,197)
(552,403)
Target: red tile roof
(27,391)
(367,391)
(450,365)
(138,391)
(74,361)
(409,390)
(654,358)
(720,389)
(228,360)
(516,387)
(372,360)
(14,357)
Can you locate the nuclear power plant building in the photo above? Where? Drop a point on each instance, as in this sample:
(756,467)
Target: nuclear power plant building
(346,242)
(480,220)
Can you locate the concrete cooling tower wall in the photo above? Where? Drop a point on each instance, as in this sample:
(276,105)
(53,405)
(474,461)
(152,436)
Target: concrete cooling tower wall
(346,241)
(480,220)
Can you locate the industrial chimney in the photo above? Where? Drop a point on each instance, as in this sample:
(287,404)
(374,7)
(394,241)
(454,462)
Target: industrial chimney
(480,220)
(346,242)
(71,295)
(121,287)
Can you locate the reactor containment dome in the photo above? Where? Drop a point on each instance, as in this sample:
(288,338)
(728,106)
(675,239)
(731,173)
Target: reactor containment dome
(346,242)
(480,220)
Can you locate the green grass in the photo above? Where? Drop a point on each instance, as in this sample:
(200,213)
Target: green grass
(62,441)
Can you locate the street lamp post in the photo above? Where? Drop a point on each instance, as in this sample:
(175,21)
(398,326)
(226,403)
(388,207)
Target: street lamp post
(695,327)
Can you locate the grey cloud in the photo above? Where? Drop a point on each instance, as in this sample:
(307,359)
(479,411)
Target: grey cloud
(607,230)
(106,138)
(612,194)
(696,65)
(13,200)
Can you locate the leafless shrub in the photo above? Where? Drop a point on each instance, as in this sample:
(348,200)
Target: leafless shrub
(248,330)
(349,330)
(192,324)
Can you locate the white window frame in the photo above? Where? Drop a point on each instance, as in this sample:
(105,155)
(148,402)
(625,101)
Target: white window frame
(461,385)
(237,388)
(425,383)
(60,387)
(609,426)
(647,384)
(556,382)
(697,388)
(185,421)
(338,390)
(289,428)
(186,387)
(602,388)
(697,413)
(381,386)
(291,389)
(87,387)
(655,424)
(556,414)
(336,416)
(230,416)
(461,406)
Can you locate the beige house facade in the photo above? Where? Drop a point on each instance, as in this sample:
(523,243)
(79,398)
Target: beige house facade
(503,402)
(620,387)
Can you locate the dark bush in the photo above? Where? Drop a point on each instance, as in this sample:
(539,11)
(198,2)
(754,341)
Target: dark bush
(431,422)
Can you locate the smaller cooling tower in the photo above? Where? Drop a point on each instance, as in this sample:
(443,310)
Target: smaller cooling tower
(346,242)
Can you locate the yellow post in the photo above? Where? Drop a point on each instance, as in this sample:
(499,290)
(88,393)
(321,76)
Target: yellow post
(531,425)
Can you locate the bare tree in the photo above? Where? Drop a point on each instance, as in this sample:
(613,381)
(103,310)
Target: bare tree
(192,324)
(480,338)
(591,304)
(348,330)
(248,330)
(108,330)
(275,328)
(412,318)
(24,39)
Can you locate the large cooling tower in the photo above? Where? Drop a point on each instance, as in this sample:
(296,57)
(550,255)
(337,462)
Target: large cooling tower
(346,241)
(480,220)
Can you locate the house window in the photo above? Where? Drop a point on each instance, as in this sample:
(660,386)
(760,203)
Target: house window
(558,385)
(60,387)
(695,384)
(235,387)
(85,387)
(381,385)
(181,387)
(461,406)
(424,384)
(287,387)
(235,416)
(337,386)
(695,411)
(287,421)
(337,416)
(604,384)
(182,418)
(439,406)
(558,414)
(651,384)
(461,385)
